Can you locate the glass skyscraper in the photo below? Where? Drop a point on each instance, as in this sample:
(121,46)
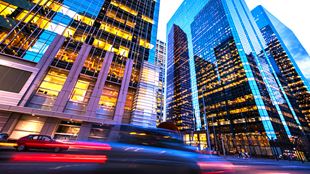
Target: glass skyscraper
(287,55)
(179,102)
(78,64)
(240,95)
(161,56)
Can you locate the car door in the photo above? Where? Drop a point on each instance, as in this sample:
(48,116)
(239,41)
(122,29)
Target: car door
(46,142)
(32,141)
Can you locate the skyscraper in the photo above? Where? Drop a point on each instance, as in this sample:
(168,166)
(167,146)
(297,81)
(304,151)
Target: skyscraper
(68,66)
(240,95)
(161,55)
(179,102)
(287,54)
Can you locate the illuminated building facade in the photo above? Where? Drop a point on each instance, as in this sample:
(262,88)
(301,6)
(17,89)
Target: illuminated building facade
(179,102)
(161,55)
(288,55)
(68,66)
(240,95)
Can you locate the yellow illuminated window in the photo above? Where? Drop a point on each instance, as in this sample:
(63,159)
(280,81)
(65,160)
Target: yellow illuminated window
(145,44)
(113,15)
(84,19)
(38,20)
(69,32)
(52,5)
(103,45)
(80,38)
(52,83)
(93,63)
(130,24)
(2,35)
(108,98)
(42,2)
(79,92)
(124,7)
(66,55)
(123,51)
(6,8)
(116,31)
(147,19)
(116,70)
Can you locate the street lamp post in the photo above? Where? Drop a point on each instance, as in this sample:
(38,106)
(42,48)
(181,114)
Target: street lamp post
(206,119)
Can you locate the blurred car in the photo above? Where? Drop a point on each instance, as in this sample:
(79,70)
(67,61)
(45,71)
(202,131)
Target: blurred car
(40,142)
(153,150)
(4,137)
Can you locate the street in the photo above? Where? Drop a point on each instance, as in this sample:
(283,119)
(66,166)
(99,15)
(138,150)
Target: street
(269,166)
(11,165)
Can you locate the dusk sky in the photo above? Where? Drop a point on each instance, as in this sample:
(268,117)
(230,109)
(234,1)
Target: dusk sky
(293,13)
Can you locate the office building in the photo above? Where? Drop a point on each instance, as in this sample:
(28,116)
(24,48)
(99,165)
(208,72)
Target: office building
(240,95)
(161,55)
(68,66)
(179,101)
(288,55)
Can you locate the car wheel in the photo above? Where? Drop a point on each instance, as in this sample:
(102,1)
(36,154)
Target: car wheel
(21,148)
(57,149)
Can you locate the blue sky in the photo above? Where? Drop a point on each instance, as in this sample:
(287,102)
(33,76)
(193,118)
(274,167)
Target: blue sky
(293,13)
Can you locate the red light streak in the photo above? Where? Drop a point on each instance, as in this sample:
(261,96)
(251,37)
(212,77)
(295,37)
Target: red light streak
(62,158)
(89,146)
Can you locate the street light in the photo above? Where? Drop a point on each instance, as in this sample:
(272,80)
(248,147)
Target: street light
(205,118)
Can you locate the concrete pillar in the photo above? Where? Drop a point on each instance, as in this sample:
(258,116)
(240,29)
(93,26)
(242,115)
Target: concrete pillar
(120,106)
(11,123)
(97,92)
(72,78)
(84,131)
(50,126)
(42,66)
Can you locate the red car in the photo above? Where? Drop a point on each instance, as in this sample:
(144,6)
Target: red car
(40,142)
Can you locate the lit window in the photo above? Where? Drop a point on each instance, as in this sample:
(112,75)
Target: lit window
(69,32)
(103,45)
(6,9)
(123,51)
(145,44)
(113,15)
(84,19)
(116,31)
(124,7)
(147,19)
(79,92)
(52,83)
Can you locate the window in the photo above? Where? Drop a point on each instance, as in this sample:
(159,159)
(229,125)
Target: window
(80,90)
(27,125)
(52,83)
(6,8)
(12,80)
(108,100)
(45,138)
(35,137)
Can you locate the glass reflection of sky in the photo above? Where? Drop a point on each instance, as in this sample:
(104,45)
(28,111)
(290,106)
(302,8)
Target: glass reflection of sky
(297,53)
(153,40)
(183,17)
(60,22)
(249,41)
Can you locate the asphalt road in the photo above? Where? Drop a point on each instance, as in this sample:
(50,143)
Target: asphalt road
(266,166)
(10,166)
